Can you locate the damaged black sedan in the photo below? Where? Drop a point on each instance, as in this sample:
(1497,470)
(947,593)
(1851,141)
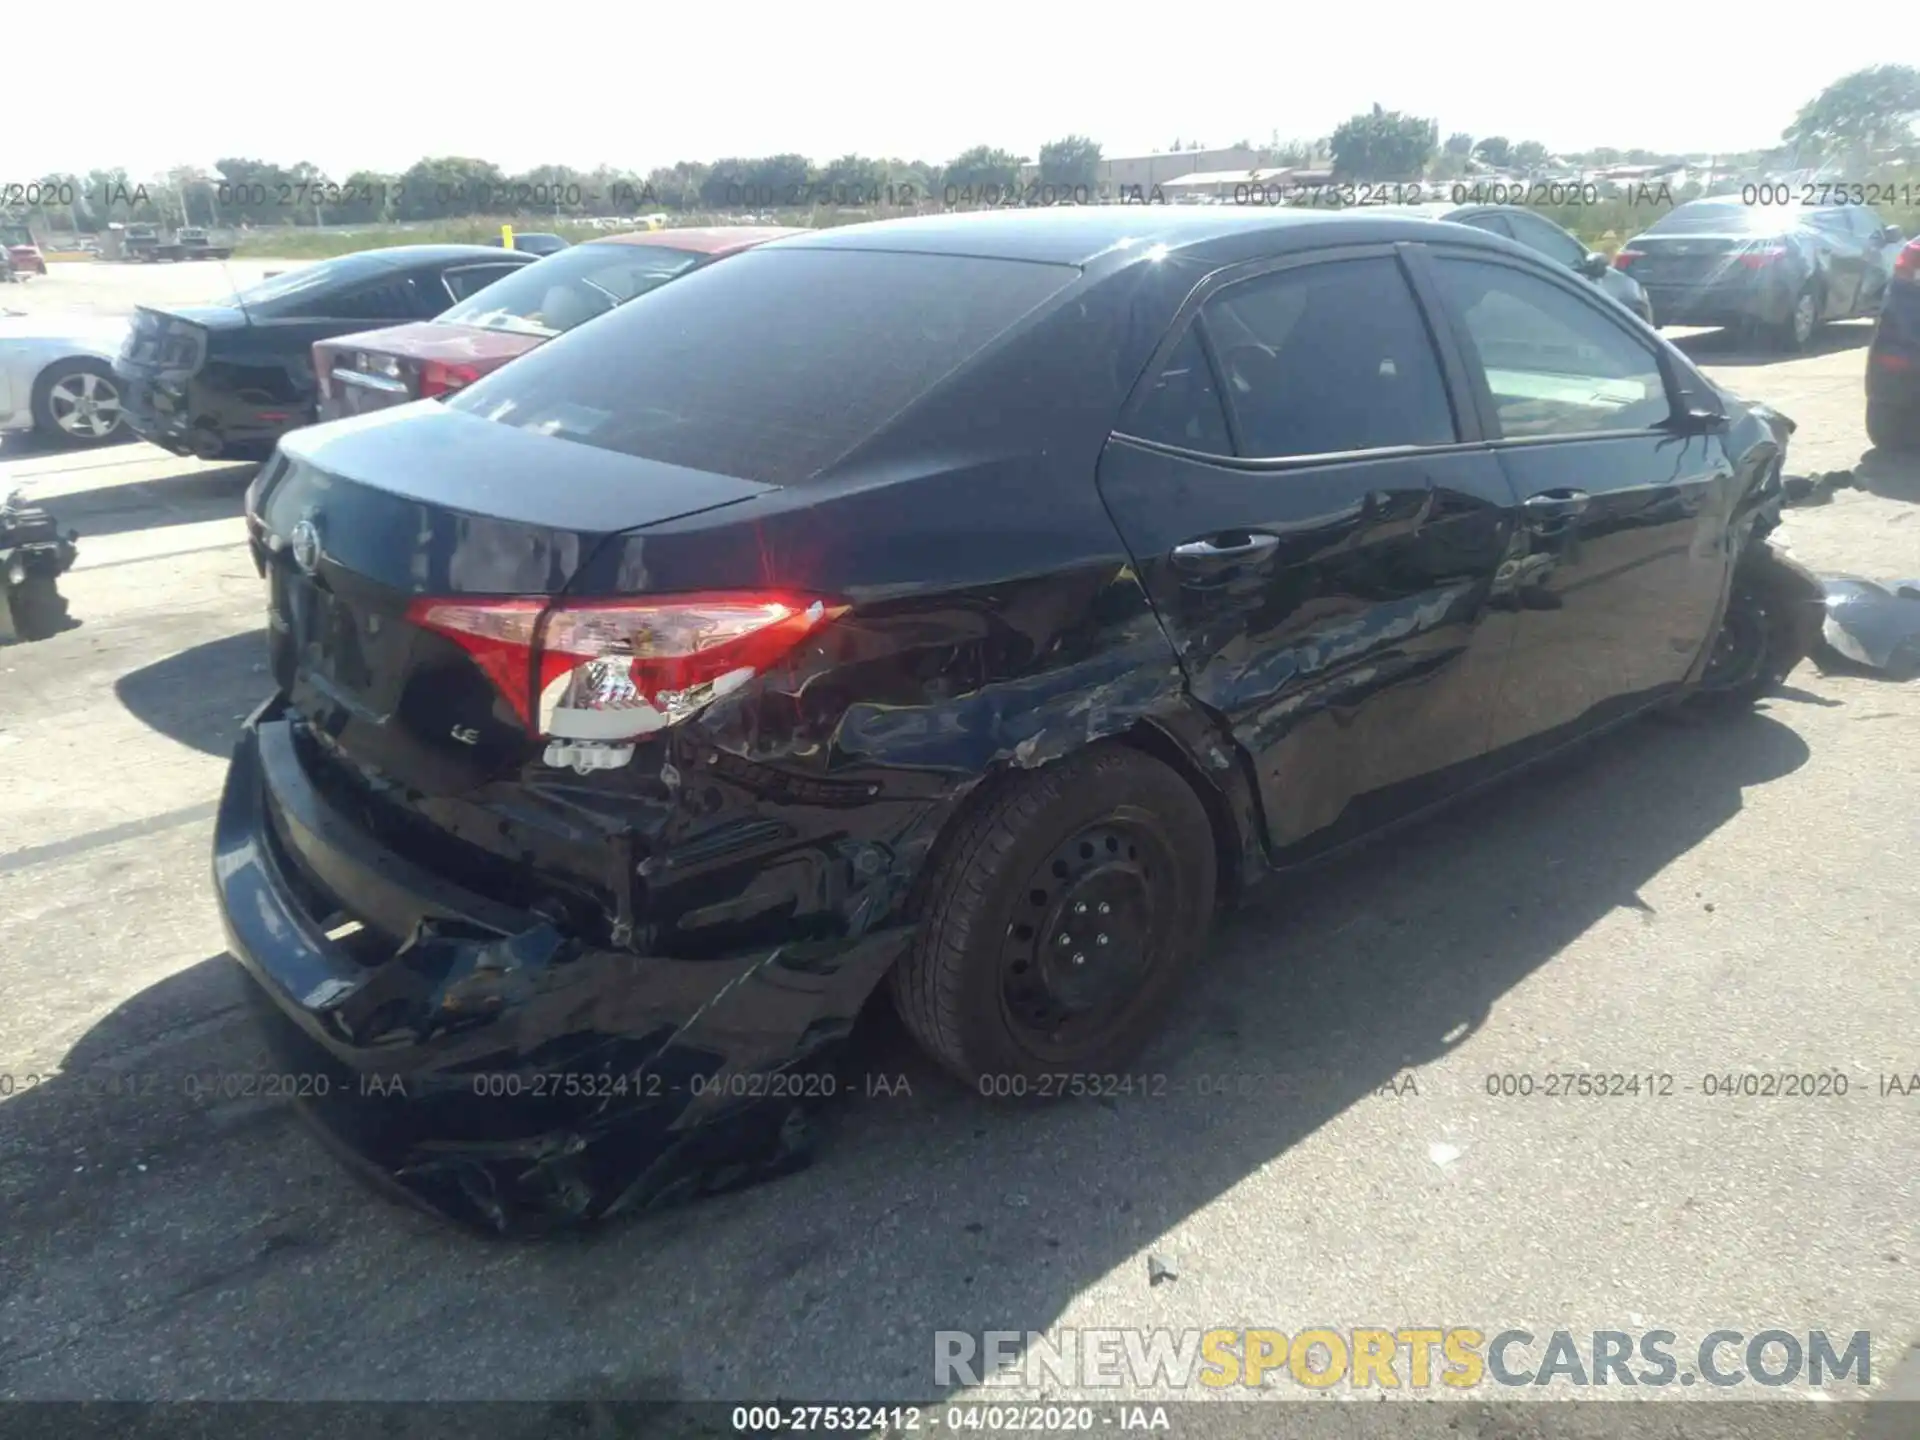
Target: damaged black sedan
(967,605)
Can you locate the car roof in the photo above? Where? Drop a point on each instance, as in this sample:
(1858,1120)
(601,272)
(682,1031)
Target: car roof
(704,239)
(1124,234)
(392,256)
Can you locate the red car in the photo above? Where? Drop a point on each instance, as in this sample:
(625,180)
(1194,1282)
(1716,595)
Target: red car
(23,256)
(378,368)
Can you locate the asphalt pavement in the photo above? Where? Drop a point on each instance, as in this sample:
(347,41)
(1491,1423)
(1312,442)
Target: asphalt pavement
(1682,900)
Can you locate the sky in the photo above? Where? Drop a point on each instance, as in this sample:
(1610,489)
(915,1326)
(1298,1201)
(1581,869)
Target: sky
(590,82)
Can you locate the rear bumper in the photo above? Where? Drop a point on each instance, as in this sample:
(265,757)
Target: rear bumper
(188,417)
(496,1070)
(1770,304)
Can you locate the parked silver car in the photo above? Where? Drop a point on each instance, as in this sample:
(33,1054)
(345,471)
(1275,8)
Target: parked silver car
(56,377)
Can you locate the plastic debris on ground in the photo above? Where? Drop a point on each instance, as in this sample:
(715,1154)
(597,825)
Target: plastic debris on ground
(1874,625)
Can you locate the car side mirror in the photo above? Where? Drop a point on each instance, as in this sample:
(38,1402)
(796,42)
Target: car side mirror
(1594,265)
(1697,415)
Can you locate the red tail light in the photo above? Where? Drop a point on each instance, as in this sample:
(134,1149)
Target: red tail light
(1623,258)
(1761,256)
(1906,265)
(615,670)
(442,377)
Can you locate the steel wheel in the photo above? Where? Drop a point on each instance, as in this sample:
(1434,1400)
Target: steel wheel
(1063,915)
(1074,960)
(1737,670)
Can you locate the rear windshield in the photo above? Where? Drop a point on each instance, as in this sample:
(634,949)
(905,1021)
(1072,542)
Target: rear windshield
(573,286)
(1725,217)
(770,365)
(289,293)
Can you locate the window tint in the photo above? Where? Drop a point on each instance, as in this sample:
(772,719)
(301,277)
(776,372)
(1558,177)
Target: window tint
(1329,358)
(471,279)
(572,287)
(1547,239)
(390,300)
(1836,221)
(1555,363)
(770,365)
(1183,408)
(1490,220)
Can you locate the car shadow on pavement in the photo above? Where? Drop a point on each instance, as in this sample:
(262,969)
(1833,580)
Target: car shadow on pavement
(1889,474)
(1730,347)
(196,695)
(927,1208)
(217,492)
(31,445)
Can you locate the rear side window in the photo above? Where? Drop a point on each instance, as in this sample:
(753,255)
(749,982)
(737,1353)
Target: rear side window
(1183,408)
(770,365)
(1329,358)
(472,279)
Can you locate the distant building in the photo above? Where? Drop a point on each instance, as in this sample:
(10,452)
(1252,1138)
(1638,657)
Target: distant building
(1145,171)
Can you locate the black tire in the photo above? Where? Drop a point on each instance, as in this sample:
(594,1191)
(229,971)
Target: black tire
(1788,336)
(990,973)
(1892,429)
(1772,623)
(47,403)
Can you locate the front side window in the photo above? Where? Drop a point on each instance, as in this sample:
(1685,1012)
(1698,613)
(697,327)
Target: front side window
(1548,239)
(389,300)
(1328,358)
(1556,364)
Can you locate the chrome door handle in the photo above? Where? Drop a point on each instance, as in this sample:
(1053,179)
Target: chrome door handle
(1237,545)
(1556,504)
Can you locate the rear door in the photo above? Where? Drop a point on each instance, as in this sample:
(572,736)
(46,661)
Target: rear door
(1620,561)
(1303,488)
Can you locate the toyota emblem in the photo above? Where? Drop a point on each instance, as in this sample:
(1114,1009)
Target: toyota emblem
(306,546)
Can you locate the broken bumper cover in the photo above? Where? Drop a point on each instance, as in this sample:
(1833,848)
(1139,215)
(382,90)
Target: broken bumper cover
(1874,625)
(489,1066)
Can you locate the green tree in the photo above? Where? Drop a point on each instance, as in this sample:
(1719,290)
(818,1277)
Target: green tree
(1383,145)
(1070,162)
(444,186)
(1459,145)
(982,168)
(1529,154)
(850,180)
(1859,117)
(1496,150)
(672,187)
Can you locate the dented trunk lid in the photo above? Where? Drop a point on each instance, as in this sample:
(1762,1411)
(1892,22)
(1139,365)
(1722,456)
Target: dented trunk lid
(351,522)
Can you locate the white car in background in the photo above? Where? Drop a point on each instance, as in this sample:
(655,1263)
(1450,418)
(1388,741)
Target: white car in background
(56,377)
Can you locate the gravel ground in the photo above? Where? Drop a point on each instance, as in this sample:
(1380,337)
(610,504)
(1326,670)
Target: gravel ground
(1680,899)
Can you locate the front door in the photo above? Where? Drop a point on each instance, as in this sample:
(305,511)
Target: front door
(1320,538)
(1621,559)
